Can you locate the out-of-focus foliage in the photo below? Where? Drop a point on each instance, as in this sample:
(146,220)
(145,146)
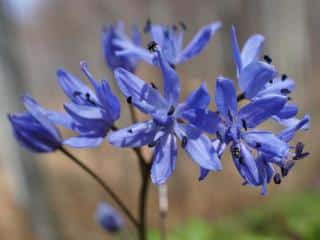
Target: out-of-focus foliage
(296,217)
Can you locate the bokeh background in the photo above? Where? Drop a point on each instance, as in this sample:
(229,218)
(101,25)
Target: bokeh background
(47,197)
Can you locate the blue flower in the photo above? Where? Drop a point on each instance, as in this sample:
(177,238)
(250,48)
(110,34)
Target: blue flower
(170,40)
(265,162)
(112,34)
(33,129)
(235,124)
(90,113)
(170,121)
(109,218)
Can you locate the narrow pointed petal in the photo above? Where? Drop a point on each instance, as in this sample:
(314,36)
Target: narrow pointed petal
(164,160)
(246,164)
(252,49)
(199,42)
(171,81)
(83,113)
(83,142)
(225,96)
(262,109)
(73,87)
(266,142)
(203,173)
(254,76)
(235,50)
(288,133)
(136,135)
(62,119)
(288,111)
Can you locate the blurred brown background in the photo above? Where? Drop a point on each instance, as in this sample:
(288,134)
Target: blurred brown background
(46,195)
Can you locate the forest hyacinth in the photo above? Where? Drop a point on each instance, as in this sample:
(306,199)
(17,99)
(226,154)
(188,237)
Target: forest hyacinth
(205,134)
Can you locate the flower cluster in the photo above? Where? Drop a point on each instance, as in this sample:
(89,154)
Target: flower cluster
(203,133)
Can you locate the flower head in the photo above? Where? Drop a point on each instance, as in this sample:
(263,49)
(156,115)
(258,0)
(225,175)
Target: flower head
(170,40)
(91,113)
(109,218)
(33,129)
(170,121)
(116,33)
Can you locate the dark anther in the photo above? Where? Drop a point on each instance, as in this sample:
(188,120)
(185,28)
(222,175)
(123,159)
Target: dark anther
(286,168)
(235,152)
(184,141)
(174,27)
(147,27)
(130,130)
(183,25)
(171,110)
(153,85)
(152,46)
(244,124)
(88,95)
(271,81)
(241,96)
(267,59)
(277,178)
(284,77)
(173,66)
(76,93)
(89,99)
(289,98)
(285,91)
(299,154)
(152,144)
(284,171)
(258,145)
(219,136)
(129,99)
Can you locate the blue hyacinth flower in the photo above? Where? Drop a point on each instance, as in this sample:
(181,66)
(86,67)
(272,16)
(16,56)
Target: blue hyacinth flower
(112,34)
(109,218)
(33,129)
(91,113)
(237,128)
(265,162)
(170,121)
(170,40)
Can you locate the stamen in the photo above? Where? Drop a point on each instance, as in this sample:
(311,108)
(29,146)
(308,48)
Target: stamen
(271,81)
(258,145)
(89,99)
(129,100)
(152,46)
(183,25)
(285,91)
(130,130)
(267,59)
(171,110)
(244,124)
(172,65)
(219,136)
(184,141)
(76,93)
(153,85)
(284,77)
(235,152)
(277,178)
(152,144)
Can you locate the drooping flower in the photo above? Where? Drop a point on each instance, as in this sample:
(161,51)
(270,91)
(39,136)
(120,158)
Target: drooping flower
(235,125)
(109,218)
(170,121)
(115,33)
(91,114)
(170,40)
(33,129)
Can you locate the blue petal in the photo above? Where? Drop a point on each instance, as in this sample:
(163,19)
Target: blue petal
(109,218)
(288,111)
(252,49)
(254,76)
(136,135)
(58,118)
(225,96)
(164,160)
(171,81)
(73,87)
(83,142)
(200,150)
(266,142)
(203,173)
(84,113)
(157,32)
(199,98)
(235,50)
(262,109)
(288,133)
(39,113)
(199,41)
(276,87)
(246,164)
